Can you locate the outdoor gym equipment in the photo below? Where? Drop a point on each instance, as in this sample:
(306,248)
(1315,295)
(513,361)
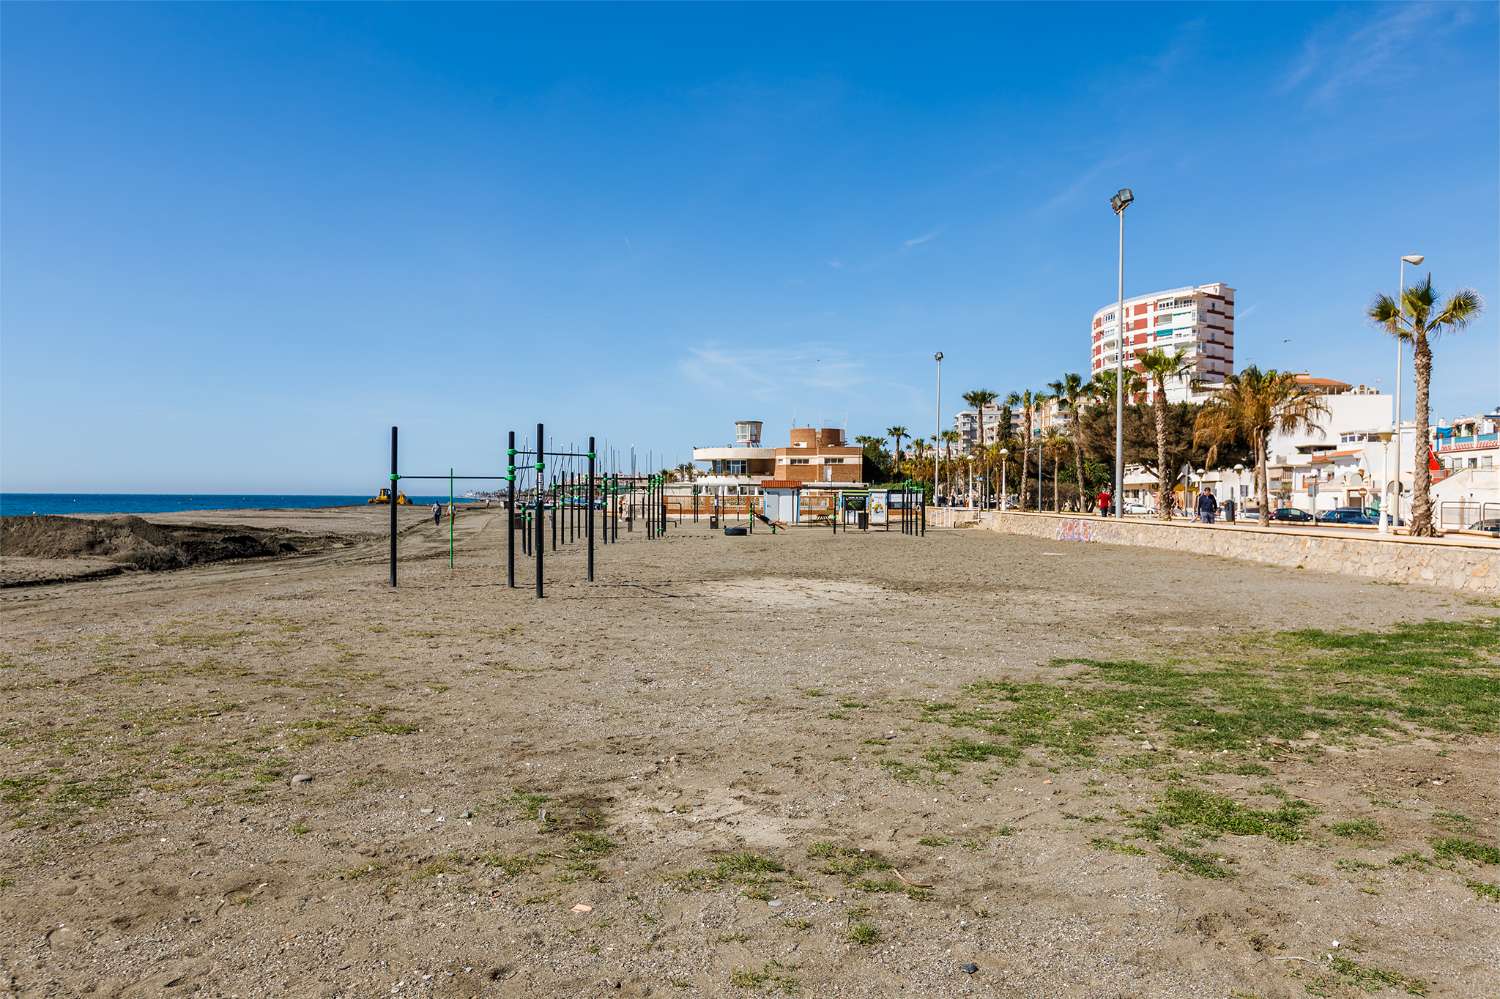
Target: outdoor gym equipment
(569,489)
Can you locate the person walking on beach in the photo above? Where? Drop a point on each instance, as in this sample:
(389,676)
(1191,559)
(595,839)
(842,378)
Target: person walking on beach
(1207,506)
(1103,500)
(1229,510)
(437,515)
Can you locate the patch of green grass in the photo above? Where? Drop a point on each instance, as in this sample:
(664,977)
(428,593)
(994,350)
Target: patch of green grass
(1442,676)
(946,758)
(847,862)
(1194,863)
(511,863)
(1356,829)
(1485,890)
(864,934)
(1452,820)
(772,976)
(750,870)
(1454,846)
(1214,814)
(1375,979)
(934,841)
(346,723)
(588,844)
(1113,846)
(528,804)
(300,828)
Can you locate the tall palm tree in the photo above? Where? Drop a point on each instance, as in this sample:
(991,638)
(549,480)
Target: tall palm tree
(977,400)
(896,433)
(1160,367)
(1027,401)
(949,438)
(1250,407)
(1071,393)
(1418,319)
(1051,445)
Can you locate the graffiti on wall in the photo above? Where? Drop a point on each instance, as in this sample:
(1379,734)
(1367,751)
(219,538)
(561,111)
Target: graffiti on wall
(1074,529)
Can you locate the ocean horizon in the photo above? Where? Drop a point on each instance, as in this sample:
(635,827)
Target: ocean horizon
(27,504)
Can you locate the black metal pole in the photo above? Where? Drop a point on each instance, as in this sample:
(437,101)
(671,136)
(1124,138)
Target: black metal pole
(554,513)
(541,501)
(924,511)
(591,510)
(510,511)
(395,491)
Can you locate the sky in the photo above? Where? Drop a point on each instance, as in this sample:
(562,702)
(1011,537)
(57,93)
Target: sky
(238,243)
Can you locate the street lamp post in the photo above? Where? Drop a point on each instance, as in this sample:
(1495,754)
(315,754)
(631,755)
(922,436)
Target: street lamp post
(1121,200)
(1003,452)
(937,426)
(1414,259)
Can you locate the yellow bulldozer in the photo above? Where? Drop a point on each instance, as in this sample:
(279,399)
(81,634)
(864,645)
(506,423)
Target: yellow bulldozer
(383,497)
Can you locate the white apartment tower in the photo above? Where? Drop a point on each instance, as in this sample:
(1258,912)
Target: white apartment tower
(1199,319)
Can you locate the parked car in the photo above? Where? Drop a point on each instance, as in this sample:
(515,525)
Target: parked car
(1347,515)
(1133,508)
(1490,524)
(1291,515)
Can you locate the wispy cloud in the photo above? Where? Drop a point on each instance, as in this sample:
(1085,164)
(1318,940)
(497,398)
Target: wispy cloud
(924,238)
(774,373)
(1088,182)
(1342,54)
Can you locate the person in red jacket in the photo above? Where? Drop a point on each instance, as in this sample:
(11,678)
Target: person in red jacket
(1104,501)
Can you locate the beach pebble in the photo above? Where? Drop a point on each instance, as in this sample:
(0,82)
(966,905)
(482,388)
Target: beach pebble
(466,814)
(301,778)
(969,969)
(775,903)
(426,811)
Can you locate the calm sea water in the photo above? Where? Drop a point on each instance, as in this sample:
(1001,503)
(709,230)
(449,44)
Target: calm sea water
(22,504)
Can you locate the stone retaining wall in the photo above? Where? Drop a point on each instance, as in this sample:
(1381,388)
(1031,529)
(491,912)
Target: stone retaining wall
(1471,565)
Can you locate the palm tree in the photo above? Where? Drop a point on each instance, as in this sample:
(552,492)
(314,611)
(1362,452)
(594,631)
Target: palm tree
(1027,401)
(949,438)
(977,400)
(1054,443)
(1417,319)
(1071,392)
(1159,367)
(896,433)
(1250,407)
(1103,387)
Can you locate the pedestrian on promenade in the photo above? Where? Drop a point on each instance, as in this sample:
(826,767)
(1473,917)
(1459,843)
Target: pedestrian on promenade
(437,514)
(1207,506)
(1104,501)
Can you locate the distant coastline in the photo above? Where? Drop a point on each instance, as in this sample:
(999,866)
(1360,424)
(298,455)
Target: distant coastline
(26,504)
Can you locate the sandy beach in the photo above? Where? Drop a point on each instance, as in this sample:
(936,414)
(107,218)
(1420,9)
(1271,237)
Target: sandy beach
(853,765)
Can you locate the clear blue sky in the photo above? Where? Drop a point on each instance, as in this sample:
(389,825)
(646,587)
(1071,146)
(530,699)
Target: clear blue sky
(241,241)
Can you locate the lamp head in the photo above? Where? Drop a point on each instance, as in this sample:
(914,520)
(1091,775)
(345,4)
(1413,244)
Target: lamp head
(938,356)
(1123,197)
(1004,451)
(1414,258)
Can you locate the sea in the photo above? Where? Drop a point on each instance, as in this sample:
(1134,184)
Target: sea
(24,504)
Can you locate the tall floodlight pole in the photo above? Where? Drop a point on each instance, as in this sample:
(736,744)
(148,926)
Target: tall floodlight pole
(1121,200)
(937,425)
(1414,259)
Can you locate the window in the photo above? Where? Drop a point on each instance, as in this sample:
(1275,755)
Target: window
(834,461)
(801,461)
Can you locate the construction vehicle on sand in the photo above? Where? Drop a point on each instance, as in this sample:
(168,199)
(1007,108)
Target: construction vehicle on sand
(384,497)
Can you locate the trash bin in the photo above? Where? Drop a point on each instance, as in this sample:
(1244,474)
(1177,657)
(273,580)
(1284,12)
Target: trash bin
(713,522)
(864,520)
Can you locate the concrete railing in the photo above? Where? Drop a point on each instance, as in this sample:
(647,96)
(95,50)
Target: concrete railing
(1470,564)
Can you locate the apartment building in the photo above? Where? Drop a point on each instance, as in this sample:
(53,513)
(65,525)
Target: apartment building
(1468,442)
(1198,319)
(967,425)
(812,455)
